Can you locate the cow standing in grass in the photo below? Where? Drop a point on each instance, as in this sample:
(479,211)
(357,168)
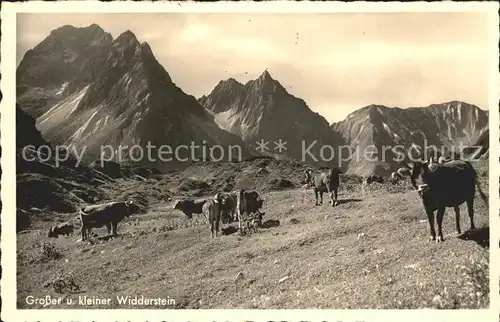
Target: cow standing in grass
(327,181)
(65,229)
(229,209)
(190,207)
(212,209)
(108,214)
(446,185)
(249,204)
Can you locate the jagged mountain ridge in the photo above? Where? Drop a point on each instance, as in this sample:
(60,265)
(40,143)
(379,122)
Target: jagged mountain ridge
(113,91)
(45,70)
(450,125)
(262,109)
(121,96)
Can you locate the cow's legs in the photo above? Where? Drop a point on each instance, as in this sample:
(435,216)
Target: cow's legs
(83,232)
(114,226)
(457,219)
(320,196)
(440,216)
(316,194)
(239,222)
(212,229)
(108,226)
(430,217)
(333,194)
(217,228)
(470,209)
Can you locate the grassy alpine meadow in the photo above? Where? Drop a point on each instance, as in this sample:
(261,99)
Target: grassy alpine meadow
(370,251)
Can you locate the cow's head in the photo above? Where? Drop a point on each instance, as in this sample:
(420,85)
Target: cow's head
(337,171)
(308,173)
(419,172)
(177,204)
(52,233)
(220,198)
(260,201)
(132,207)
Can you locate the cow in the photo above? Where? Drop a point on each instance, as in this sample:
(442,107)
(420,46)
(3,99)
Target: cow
(61,229)
(249,204)
(229,208)
(446,185)
(212,209)
(190,207)
(109,214)
(374,178)
(326,181)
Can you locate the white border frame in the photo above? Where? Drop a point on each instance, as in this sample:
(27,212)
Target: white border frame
(8,180)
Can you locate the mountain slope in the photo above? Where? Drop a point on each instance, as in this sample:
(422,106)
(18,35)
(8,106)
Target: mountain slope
(121,96)
(262,109)
(448,126)
(46,70)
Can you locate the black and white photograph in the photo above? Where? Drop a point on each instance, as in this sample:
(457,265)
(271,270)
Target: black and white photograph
(251,160)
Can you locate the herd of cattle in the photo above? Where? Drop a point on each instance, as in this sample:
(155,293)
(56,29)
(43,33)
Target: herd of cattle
(447,183)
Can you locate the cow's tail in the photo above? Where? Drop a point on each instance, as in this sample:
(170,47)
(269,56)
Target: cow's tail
(481,193)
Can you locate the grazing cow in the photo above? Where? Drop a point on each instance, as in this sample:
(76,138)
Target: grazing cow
(374,178)
(327,181)
(212,209)
(109,214)
(447,185)
(190,207)
(249,204)
(60,229)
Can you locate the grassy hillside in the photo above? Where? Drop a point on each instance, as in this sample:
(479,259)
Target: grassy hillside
(369,252)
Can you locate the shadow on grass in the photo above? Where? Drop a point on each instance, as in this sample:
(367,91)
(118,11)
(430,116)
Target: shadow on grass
(270,223)
(229,230)
(480,235)
(108,237)
(342,201)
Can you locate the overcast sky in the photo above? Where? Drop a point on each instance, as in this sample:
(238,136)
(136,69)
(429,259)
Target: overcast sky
(337,63)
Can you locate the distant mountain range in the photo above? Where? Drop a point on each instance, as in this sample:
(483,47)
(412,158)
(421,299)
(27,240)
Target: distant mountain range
(86,89)
(447,126)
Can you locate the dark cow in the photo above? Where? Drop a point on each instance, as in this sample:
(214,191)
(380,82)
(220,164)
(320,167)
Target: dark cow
(327,181)
(229,208)
(190,207)
(374,178)
(446,185)
(249,204)
(61,229)
(109,214)
(212,209)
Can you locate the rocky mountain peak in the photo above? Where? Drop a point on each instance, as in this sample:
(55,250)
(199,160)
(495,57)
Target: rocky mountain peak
(265,76)
(91,35)
(128,38)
